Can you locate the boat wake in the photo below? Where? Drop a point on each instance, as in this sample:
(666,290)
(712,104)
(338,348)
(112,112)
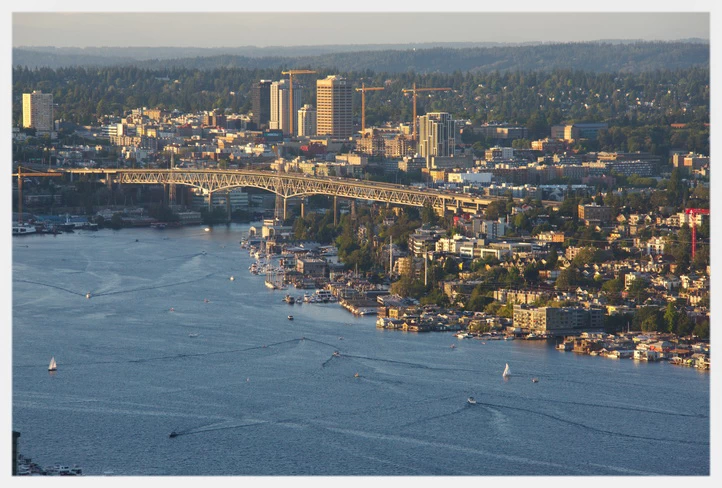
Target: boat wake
(594,429)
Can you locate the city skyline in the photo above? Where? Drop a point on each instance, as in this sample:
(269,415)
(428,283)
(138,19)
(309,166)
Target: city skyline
(273,29)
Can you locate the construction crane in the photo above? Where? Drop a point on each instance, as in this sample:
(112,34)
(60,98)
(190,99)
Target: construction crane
(363,91)
(414,90)
(694,212)
(290,74)
(22,175)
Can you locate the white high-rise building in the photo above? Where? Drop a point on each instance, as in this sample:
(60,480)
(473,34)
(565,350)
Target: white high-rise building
(279,105)
(38,111)
(307,121)
(437,135)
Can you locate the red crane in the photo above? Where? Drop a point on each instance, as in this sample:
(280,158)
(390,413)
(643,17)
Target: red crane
(694,212)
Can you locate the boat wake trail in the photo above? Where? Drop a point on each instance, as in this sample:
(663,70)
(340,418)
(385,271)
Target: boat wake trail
(445,414)
(201,430)
(166,358)
(154,287)
(632,409)
(594,429)
(406,363)
(50,286)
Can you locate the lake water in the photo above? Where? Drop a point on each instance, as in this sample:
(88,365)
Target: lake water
(256,394)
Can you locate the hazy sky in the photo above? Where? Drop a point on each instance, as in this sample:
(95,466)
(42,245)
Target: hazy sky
(232,29)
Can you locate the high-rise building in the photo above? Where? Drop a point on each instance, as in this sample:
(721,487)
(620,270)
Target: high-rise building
(279,105)
(334,107)
(38,111)
(307,121)
(261,104)
(437,135)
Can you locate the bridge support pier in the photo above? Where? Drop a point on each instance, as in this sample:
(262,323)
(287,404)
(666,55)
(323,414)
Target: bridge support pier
(353,209)
(210,201)
(335,221)
(285,208)
(228,206)
(303,209)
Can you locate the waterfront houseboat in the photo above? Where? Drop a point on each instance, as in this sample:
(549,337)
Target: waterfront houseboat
(324,295)
(23,229)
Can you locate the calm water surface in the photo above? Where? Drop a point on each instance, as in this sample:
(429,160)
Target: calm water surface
(257,394)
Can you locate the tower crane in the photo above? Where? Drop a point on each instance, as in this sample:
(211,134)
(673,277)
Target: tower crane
(22,175)
(290,74)
(363,91)
(413,91)
(693,212)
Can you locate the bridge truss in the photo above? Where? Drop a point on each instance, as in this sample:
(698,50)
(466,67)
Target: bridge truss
(289,185)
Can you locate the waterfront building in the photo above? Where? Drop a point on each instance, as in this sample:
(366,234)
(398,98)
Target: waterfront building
(38,111)
(235,199)
(311,267)
(557,321)
(334,117)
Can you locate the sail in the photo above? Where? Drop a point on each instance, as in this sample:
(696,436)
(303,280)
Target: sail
(506,370)
(52,366)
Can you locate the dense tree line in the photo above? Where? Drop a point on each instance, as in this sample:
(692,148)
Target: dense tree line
(640,106)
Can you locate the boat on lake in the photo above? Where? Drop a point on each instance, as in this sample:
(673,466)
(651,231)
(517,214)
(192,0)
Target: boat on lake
(290,317)
(471,401)
(507,371)
(23,229)
(53,366)
(173,434)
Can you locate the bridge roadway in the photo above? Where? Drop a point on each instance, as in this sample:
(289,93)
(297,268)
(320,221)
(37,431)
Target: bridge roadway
(289,185)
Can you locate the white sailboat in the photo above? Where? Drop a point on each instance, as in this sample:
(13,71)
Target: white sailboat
(53,366)
(506,372)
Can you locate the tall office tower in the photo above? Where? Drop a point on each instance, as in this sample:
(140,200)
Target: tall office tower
(437,135)
(279,105)
(307,121)
(333,107)
(38,111)
(261,104)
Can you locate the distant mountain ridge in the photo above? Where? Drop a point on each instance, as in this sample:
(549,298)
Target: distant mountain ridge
(600,56)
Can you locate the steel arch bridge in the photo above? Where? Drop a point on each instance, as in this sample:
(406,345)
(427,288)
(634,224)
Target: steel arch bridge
(288,185)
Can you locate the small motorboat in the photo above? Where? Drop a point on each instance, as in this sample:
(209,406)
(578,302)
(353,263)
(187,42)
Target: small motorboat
(356,375)
(193,334)
(535,380)
(88,295)
(471,401)
(232,278)
(336,353)
(290,317)
(173,434)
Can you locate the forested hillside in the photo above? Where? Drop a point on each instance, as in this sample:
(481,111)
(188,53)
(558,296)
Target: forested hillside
(596,57)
